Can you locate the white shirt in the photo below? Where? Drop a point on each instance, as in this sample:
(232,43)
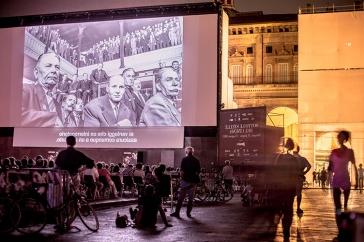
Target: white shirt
(139,173)
(227,172)
(91,172)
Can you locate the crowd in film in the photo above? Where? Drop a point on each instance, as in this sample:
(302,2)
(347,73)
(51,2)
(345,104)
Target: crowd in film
(146,38)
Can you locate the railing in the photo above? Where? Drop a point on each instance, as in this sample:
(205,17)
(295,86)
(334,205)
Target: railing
(356,6)
(244,80)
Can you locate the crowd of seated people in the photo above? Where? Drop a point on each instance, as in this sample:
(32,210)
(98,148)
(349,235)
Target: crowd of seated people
(101,180)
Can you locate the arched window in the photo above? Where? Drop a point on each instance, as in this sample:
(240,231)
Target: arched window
(249,74)
(268,75)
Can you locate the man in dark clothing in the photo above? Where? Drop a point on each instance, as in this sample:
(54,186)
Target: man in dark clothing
(305,166)
(284,180)
(190,170)
(71,159)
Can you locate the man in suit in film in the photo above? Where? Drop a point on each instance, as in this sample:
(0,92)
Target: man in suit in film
(160,109)
(66,117)
(39,103)
(86,87)
(130,97)
(98,76)
(109,110)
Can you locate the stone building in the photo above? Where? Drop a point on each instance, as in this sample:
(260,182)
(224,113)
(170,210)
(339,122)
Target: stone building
(263,64)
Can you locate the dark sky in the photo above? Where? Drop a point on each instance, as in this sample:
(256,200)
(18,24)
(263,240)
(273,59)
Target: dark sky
(282,6)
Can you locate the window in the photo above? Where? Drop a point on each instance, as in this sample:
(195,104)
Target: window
(268,74)
(234,31)
(268,49)
(282,72)
(251,31)
(249,74)
(295,73)
(236,74)
(269,30)
(249,50)
(240,31)
(295,48)
(286,29)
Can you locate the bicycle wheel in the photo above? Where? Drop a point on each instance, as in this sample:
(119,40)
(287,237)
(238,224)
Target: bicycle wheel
(33,215)
(202,192)
(9,215)
(87,215)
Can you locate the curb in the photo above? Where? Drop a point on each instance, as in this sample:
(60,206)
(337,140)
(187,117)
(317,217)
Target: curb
(105,204)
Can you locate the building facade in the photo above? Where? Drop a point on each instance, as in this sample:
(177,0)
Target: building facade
(263,64)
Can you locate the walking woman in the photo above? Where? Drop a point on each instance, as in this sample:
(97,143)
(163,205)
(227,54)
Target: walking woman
(339,160)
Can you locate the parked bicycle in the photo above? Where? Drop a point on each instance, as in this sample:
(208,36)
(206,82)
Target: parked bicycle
(28,210)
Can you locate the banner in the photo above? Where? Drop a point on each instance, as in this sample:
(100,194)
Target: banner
(241,135)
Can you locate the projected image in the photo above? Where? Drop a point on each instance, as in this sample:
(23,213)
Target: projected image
(103,74)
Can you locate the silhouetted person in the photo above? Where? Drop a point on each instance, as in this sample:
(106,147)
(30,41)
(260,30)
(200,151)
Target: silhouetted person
(323,177)
(190,170)
(285,178)
(304,168)
(339,160)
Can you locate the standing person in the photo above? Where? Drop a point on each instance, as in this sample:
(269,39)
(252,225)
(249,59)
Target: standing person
(98,76)
(319,178)
(227,175)
(360,176)
(338,164)
(314,177)
(304,168)
(190,170)
(71,160)
(39,102)
(86,87)
(323,177)
(284,180)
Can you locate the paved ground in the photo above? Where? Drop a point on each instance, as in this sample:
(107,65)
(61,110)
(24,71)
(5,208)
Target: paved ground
(228,222)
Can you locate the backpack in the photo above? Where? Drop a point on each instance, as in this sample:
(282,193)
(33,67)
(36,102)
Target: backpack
(121,221)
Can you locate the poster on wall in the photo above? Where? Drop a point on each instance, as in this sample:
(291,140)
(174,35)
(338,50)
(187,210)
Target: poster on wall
(241,135)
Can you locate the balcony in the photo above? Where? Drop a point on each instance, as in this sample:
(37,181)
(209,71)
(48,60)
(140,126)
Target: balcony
(258,80)
(332,8)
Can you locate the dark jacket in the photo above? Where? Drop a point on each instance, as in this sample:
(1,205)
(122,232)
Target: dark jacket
(191,169)
(71,160)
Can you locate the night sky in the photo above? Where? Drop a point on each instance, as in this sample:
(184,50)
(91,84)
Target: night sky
(282,6)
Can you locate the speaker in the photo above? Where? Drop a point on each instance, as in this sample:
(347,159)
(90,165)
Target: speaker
(140,157)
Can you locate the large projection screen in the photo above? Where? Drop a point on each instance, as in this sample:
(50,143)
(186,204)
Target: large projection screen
(124,83)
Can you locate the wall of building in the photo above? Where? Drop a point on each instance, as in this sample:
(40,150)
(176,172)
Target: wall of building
(263,63)
(331,87)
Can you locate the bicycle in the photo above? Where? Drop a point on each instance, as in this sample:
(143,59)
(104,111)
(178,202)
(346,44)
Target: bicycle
(76,205)
(29,211)
(9,214)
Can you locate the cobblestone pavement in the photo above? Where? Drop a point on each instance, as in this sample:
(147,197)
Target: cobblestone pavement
(227,222)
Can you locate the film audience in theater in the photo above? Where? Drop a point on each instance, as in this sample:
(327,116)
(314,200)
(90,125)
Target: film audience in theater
(139,40)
